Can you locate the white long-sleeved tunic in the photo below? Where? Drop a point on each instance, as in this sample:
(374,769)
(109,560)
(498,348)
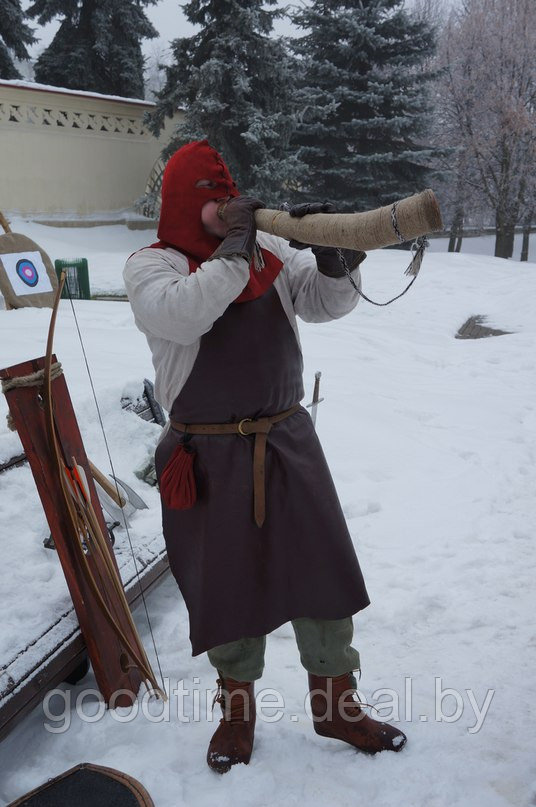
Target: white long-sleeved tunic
(174,308)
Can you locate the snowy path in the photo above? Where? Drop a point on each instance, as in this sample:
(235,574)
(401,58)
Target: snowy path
(432,444)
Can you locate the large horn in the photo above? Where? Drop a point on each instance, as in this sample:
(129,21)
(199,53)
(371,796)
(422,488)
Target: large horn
(404,220)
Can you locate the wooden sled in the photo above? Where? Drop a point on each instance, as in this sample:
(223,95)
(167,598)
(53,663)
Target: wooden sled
(86,785)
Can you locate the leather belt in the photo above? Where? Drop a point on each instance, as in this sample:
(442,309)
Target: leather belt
(260,428)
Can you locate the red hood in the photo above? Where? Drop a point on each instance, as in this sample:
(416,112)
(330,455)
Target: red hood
(180,216)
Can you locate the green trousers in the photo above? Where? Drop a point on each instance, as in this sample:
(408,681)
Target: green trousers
(324,645)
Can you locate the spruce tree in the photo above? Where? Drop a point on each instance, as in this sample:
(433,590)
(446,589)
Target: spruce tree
(235,85)
(365,102)
(97,47)
(14,36)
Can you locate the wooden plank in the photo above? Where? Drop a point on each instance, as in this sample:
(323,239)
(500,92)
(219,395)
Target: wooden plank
(18,698)
(474,328)
(14,462)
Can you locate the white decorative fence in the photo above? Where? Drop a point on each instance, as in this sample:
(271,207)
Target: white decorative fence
(70,152)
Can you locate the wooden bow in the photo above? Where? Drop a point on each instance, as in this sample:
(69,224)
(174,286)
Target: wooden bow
(86,535)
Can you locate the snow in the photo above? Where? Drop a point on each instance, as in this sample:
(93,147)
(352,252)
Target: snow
(431,441)
(34,85)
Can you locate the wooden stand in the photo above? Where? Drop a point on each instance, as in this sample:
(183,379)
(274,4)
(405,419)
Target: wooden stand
(113,668)
(7,229)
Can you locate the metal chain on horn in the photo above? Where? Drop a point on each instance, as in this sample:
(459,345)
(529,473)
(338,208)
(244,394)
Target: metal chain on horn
(418,247)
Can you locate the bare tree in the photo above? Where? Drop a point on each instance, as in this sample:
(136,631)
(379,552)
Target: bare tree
(157,61)
(461,199)
(529,214)
(490,107)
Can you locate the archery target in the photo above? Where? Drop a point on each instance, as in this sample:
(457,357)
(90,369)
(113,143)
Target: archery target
(26,272)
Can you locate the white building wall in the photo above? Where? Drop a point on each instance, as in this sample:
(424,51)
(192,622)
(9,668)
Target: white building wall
(65,151)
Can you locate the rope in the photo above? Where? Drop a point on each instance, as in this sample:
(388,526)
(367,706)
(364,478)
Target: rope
(31,380)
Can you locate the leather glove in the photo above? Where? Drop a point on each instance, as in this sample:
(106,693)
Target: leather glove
(327,260)
(238,214)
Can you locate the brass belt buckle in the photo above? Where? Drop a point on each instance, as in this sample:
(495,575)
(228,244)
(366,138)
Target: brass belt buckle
(239,427)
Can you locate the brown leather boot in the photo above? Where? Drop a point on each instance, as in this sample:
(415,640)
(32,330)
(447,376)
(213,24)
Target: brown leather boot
(336,714)
(232,742)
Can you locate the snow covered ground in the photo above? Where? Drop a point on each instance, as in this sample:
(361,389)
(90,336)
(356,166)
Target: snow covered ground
(485,245)
(432,445)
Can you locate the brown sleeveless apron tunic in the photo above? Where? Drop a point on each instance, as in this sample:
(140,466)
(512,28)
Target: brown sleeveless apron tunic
(237,579)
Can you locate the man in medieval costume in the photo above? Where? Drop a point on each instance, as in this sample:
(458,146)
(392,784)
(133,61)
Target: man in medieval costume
(254,530)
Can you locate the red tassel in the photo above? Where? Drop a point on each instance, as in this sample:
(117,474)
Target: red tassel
(177,484)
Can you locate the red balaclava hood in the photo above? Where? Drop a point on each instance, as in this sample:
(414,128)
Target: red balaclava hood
(180,215)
